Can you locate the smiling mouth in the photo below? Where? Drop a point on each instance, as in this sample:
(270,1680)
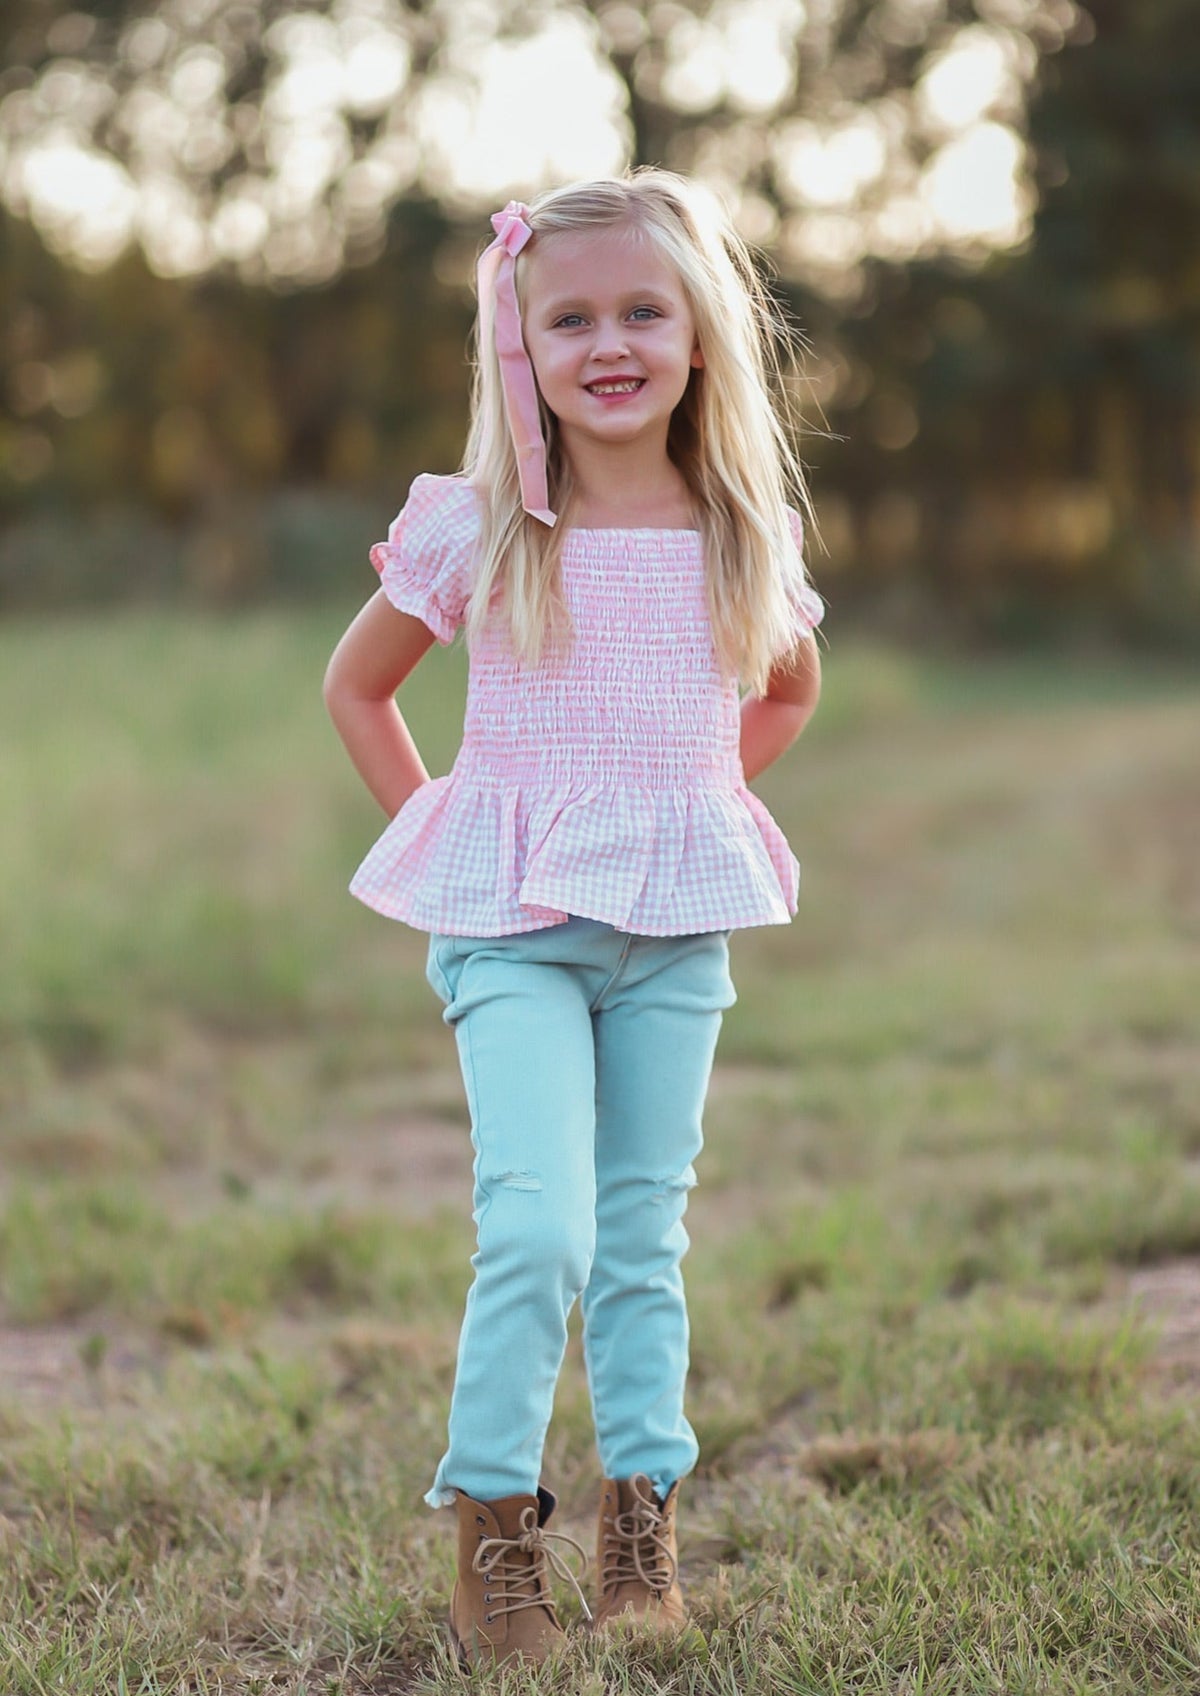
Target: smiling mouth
(626,386)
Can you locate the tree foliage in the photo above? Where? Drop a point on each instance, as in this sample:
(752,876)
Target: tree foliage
(272,139)
(1055,471)
(1012,442)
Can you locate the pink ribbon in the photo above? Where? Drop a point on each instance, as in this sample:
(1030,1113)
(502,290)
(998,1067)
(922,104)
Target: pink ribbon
(500,314)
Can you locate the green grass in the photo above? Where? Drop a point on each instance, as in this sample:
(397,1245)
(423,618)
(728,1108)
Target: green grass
(955,1119)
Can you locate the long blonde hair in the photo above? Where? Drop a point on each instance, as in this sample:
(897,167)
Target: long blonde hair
(726,436)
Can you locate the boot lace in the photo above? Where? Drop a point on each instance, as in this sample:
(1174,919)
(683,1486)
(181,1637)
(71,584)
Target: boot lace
(637,1548)
(513,1571)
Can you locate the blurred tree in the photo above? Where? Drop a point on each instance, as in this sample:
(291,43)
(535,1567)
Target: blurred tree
(273,138)
(1015,434)
(195,399)
(1031,432)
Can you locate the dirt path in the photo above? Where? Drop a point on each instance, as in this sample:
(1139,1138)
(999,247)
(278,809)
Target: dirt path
(1168,1298)
(412,1167)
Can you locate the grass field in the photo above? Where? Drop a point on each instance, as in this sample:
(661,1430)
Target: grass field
(945,1273)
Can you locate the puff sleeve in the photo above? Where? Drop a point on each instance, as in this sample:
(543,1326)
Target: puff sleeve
(808,609)
(425,565)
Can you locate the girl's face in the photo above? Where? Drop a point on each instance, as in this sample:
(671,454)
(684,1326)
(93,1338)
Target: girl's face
(610,335)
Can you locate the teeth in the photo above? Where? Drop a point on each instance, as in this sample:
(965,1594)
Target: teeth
(626,388)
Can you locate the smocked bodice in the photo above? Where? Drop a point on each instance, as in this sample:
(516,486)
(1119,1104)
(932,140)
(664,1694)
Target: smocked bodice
(633,698)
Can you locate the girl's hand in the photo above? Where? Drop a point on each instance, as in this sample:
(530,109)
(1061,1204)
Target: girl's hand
(369,664)
(772,722)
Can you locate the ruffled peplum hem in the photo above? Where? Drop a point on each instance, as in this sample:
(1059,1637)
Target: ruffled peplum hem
(466,857)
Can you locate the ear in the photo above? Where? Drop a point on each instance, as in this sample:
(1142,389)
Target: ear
(697,359)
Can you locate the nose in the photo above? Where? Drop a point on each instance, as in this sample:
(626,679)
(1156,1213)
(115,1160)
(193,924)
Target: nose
(610,341)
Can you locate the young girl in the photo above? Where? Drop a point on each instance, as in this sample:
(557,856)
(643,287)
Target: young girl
(620,552)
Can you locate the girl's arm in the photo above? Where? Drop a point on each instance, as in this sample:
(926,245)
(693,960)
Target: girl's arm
(771,722)
(369,664)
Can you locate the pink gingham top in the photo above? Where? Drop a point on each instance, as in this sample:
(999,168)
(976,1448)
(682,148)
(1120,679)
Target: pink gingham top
(607,783)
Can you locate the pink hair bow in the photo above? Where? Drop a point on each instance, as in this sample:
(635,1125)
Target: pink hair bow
(496,279)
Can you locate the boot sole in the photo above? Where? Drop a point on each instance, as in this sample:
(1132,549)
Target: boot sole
(458,1646)
(518,1657)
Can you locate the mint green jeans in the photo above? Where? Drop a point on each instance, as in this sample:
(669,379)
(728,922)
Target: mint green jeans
(586,1055)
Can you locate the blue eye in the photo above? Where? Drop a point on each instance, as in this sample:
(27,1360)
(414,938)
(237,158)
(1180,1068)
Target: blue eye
(650,312)
(568,321)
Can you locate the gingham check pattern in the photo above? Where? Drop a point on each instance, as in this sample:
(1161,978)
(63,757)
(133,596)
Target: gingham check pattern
(605,783)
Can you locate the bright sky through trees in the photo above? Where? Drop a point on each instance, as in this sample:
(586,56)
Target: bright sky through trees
(99,157)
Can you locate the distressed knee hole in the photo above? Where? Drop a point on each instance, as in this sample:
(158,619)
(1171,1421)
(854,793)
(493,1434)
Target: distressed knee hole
(675,1184)
(524,1180)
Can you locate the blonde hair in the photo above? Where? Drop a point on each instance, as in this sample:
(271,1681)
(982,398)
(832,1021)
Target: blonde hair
(726,436)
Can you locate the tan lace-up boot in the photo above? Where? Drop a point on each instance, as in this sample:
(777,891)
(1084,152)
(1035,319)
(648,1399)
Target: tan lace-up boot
(502,1608)
(637,1558)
